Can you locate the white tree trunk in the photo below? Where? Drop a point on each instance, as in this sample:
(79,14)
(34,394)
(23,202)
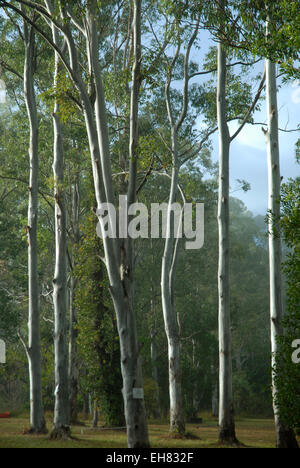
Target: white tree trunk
(168,269)
(37,421)
(226,417)
(153,352)
(73,357)
(177,423)
(60,288)
(284,436)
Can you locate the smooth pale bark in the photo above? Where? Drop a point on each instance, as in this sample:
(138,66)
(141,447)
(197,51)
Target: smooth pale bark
(169,260)
(37,420)
(168,269)
(120,278)
(154,354)
(119,258)
(73,363)
(226,416)
(135,412)
(177,422)
(73,358)
(285,437)
(61,427)
(170,255)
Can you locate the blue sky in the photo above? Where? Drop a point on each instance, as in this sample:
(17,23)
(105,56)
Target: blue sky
(248,157)
(248,152)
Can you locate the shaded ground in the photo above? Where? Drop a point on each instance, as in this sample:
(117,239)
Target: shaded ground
(251,432)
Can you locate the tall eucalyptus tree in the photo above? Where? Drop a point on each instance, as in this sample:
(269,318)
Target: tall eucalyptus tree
(60,288)
(37,420)
(226,410)
(73,371)
(285,437)
(169,260)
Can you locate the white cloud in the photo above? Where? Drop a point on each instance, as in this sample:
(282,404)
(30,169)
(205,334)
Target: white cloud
(251,135)
(296,96)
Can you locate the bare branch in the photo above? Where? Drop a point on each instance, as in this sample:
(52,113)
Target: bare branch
(251,109)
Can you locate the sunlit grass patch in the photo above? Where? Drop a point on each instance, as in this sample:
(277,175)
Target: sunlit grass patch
(253,433)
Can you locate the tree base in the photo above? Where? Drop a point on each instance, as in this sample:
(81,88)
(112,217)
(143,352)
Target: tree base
(177,428)
(37,431)
(61,433)
(286,439)
(227,437)
(32,431)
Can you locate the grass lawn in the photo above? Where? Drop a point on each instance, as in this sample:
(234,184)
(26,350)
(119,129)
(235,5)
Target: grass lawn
(253,433)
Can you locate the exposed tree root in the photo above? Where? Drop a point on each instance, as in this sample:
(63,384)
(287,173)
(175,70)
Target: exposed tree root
(61,433)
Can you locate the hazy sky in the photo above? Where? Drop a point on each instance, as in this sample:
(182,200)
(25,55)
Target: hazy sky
(248,158)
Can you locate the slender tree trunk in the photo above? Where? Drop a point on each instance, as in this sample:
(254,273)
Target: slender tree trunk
(37,420)
(157,411)
(285,437)
(214,400)
(196,396)
(61,427)
(168,270)
(226,416)
(95,415)
(177,423)
(73,359)
(153,344)
(73,364)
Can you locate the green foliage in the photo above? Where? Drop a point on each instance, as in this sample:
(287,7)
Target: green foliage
(98,341)
(288,372)
(283,41)
(66,96)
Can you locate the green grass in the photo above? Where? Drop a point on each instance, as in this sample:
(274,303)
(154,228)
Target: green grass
(256,433)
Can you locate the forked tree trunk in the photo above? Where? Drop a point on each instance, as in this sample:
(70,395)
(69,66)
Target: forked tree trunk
(119,261)
(285,437)
(226,416)
(169,261)
(37,420)
(177,422)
